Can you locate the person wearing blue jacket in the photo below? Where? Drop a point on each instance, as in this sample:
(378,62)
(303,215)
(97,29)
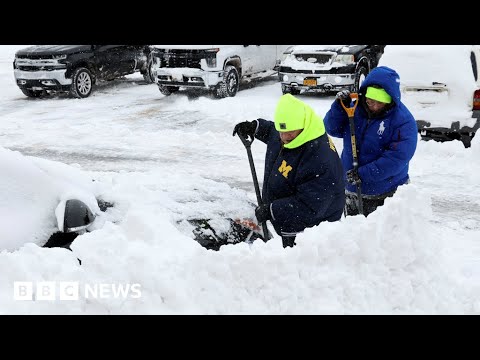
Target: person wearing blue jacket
(386,138)
(303,181)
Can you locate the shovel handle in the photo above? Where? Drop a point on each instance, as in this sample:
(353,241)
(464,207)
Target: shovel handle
(247,143)
(351,110)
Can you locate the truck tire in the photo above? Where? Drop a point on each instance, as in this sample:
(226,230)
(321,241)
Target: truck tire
(360,76)
(167,90)
(148,73)
(82,83)
(229,86)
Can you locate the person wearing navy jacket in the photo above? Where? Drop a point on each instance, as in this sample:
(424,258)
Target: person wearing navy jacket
(303,181)
(386,139)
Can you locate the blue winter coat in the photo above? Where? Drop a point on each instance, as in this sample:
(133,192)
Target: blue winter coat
(385,144)
(304,185)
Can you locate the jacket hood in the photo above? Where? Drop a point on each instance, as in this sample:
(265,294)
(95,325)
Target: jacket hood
(293,114)
(385,77)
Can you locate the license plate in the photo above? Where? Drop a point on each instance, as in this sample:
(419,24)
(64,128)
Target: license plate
(310,82)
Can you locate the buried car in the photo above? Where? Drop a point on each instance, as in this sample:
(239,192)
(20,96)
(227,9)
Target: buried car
(44,202)
(212,237)
(327,68)
(440,85)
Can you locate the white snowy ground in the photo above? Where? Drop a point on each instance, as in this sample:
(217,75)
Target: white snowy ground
(162,160)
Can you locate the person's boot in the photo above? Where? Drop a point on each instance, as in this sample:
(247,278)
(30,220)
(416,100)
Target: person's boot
(288,241)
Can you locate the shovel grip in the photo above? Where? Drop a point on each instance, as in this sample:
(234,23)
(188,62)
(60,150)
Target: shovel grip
(351,110)
(247,143)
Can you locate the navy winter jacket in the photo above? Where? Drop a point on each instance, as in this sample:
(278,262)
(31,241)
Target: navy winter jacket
(304,185)
(385,144)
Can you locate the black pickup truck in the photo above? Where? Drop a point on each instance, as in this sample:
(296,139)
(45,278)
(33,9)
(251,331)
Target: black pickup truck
(327,68)
(43,69)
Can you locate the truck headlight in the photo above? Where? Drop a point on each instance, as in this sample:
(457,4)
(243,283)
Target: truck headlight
(211,57)
(211,62)
(345,59)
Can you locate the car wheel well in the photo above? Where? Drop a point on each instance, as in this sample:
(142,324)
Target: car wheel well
(91,67)
(365,63)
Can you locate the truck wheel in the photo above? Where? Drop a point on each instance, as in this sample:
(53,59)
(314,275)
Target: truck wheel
(360,76)
(32,93)
(230,83)
(82,83)
(148,73)
(167,90)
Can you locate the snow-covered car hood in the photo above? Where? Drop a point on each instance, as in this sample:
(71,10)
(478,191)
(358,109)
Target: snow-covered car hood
(32,191)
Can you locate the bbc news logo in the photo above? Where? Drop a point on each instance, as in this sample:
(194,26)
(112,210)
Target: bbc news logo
(73,290)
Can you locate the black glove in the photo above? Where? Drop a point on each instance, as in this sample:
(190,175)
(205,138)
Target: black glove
(245,129)
(344,97)
(262,213)
(353,177)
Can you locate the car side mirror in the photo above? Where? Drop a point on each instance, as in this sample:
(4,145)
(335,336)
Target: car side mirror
(77,216)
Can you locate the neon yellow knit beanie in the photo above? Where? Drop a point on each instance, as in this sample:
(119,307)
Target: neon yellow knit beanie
(378,95)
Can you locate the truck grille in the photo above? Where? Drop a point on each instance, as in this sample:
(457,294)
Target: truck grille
(36,57)
(182,58)
(36,68)
(38,64)
(321,58)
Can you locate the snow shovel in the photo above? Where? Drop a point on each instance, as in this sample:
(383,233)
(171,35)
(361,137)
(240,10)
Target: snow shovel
(350,112)
(248,143)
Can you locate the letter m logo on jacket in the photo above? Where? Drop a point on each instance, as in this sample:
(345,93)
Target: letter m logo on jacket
(285,169)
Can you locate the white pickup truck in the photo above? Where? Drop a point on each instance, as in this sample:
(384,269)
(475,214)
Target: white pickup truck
(218,68)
